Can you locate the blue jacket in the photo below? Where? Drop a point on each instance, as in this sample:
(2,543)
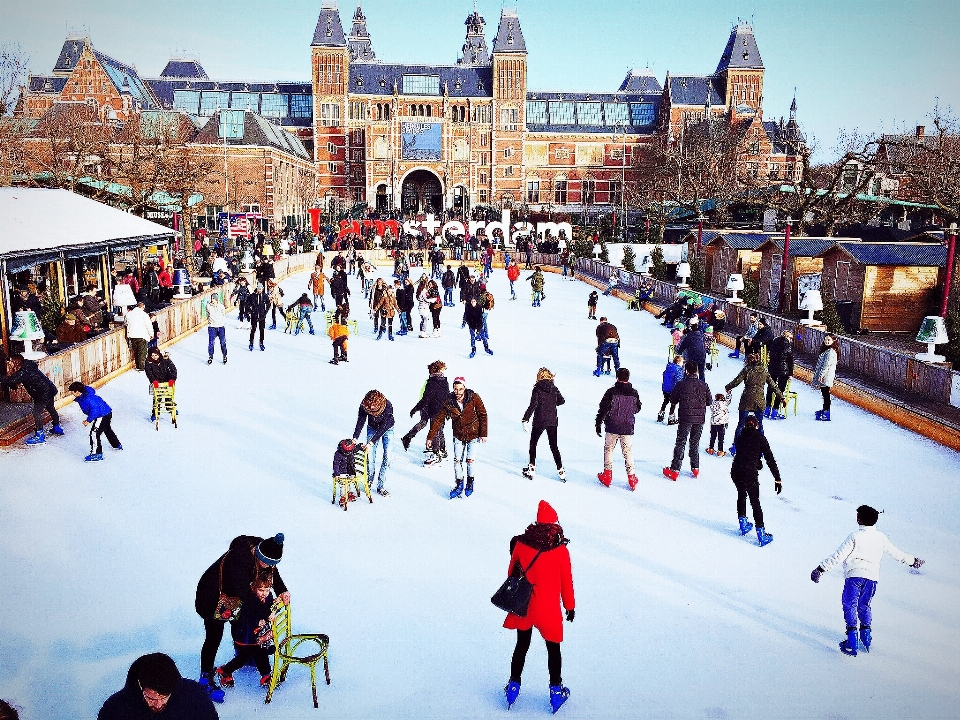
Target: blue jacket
(672,374)
(692,347)
(92,404)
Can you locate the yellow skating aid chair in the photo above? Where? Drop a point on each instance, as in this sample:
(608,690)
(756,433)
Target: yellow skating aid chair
(358,481)
(163,400)
(286,652)
(789,395)
(352,324)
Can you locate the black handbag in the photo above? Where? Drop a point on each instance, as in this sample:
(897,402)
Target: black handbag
(514,595)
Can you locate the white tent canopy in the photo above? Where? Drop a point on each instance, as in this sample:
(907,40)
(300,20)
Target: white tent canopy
(36,219)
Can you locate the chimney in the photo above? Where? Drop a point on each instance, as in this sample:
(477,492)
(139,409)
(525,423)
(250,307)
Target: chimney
(920,130)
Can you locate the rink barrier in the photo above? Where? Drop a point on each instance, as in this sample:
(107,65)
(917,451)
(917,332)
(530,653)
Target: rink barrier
(887,368)
(100,359)
(382,258)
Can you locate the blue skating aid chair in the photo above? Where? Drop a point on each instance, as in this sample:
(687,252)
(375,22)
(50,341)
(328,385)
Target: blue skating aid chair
(164,401)
(358,481)
(286,652)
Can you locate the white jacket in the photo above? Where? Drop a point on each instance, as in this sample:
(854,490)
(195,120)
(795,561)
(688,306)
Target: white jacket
(215,315)
(862,551)
(139,325)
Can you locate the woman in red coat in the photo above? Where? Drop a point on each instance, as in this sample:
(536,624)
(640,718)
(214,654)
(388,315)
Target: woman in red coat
(543,545)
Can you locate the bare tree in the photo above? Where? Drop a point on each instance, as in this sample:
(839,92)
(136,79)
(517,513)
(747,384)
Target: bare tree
(13,71)
(933,166)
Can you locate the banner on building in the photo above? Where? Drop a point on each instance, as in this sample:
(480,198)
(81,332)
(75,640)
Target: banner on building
(421,140)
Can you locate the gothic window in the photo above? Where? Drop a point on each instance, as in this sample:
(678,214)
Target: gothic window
(330,115)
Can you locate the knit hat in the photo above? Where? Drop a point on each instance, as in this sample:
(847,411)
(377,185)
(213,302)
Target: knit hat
(867,515)
(270,551)
(459,380)
(436,367)
(347,445)
(719,315)
(545,513)
(158,672)
(544,374)
(374,403)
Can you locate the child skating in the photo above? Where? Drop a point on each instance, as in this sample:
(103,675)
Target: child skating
(861,554)
(672,374)
(719,419)
(592,305)
(99,416)
(252,631)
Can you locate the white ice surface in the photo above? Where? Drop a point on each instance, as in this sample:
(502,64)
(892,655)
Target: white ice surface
(677,615)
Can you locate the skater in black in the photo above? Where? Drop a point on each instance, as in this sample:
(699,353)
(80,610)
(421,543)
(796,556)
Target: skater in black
(751,446)
(155,689)
(257,306)
(543,405)
(436,391)
(41,390)
(223,584)
(592,305)
(251,631)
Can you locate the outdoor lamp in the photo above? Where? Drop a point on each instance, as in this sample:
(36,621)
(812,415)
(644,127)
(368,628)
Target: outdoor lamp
(181,283)
(123,298)
(812,302)
(683,272)
(735,285)
(933,331)
(26,329)
(246,262)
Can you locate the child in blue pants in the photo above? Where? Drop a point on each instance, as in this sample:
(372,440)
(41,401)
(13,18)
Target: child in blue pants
(861,553)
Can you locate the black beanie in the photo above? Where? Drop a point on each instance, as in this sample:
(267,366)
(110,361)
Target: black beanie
(158,672)
(867,515)
(270,551)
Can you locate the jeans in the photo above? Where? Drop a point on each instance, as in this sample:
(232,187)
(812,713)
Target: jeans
(486,333)
(685,431)
(40,405)
(212,334)
(612,349)
(749,488)
(513,293)
(478,334)
(857,594)
(716,436)
(626,446)
(666,401)
(537,297)
(448,296)
(320,298)
(463,453)
(305,315)
(385,440)
(554,658)
(744,414)
(551,438)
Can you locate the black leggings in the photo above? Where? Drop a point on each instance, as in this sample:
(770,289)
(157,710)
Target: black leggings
(751,489)
(825,391)
(554,660)
(39,406)
(101,426)
(666,401)
(436,317)
(211,643)
(246,653)
(781,381)
(551,437)
(716,436)
(255,323)
(385,323)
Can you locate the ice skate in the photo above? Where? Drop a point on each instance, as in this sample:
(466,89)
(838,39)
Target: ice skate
(529,470)
(745,525)
(512,691)
(457,491)
(562,474)
(605,478)
(763,537)
(849,646)
(558,696)
(670,474)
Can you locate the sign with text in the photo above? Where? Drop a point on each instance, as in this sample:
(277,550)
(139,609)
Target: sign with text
(421,140)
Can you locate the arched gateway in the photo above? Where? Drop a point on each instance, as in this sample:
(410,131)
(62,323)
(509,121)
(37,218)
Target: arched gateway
(422,191)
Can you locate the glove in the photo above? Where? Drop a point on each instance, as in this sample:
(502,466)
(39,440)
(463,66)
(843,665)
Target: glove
(599,434)
(778,486)
(156,384)
(570,614)
(917,562)
(172,383)
(815,575)
(412,413)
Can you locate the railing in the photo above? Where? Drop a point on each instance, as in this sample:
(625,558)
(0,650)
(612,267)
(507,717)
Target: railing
(383,257)
(890,368)
(107,354)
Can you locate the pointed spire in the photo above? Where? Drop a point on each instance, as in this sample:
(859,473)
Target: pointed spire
(509,37)
(361,47)
(741,50)
(793,107)
(329,32)
(475,46)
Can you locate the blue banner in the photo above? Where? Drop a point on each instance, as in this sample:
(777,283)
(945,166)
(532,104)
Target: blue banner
(421,140)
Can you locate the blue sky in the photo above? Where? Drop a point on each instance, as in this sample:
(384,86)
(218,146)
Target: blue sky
(874,65)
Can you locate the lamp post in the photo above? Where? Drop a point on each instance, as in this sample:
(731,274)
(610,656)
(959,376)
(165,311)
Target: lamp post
(700,219)
(951,254)
(784,291)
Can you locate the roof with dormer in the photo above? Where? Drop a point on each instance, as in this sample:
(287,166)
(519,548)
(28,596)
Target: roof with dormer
(121,74)
(741,51)
(509,37)
(474,51)
(257,131)
(695,89)
(457,81)
(783,138)
(46,84)
(70,54)
(640,80)
(329,32)
(184,69)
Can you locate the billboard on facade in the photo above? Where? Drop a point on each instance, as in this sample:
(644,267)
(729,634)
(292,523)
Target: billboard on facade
(421,140)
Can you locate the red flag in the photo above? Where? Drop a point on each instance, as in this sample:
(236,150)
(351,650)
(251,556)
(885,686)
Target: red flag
(315,220)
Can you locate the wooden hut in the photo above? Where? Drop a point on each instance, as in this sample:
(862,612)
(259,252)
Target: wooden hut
(803,269)
(889,286)
(727,252)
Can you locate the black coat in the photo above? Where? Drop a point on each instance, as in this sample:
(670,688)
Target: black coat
(265,272)
(463,276)
(338,286)
(751,446)
(781,358)
(473,315)
(435,394)
(258,303)
(544,401)
(763,338)
(239,568)
(33,380)
(161,371)
(692,347)
(449,280)
(188,701)
(693,396)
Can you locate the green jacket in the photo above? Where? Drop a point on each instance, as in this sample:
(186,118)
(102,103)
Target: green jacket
(754,377)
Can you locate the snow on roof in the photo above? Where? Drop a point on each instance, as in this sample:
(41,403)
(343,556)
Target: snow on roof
(40,219)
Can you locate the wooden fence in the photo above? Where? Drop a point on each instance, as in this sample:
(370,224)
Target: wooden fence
(890,368)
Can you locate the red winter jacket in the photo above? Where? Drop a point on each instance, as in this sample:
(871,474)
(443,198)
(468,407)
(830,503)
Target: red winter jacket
(551,578)
(513,272)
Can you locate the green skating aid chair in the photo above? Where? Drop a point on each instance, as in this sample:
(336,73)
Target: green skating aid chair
(358,481)
(288,651)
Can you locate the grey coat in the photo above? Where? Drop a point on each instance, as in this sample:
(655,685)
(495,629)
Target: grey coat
(826,370)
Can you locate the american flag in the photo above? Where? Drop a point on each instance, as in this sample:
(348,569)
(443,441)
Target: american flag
(239,227)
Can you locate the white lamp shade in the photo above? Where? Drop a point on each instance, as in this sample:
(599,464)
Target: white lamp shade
(683,270)
(123,296)
(735,283)
(812,301)
(26,326)
(933,330)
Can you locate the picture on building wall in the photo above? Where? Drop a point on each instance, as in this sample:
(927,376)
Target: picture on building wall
(421,140)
